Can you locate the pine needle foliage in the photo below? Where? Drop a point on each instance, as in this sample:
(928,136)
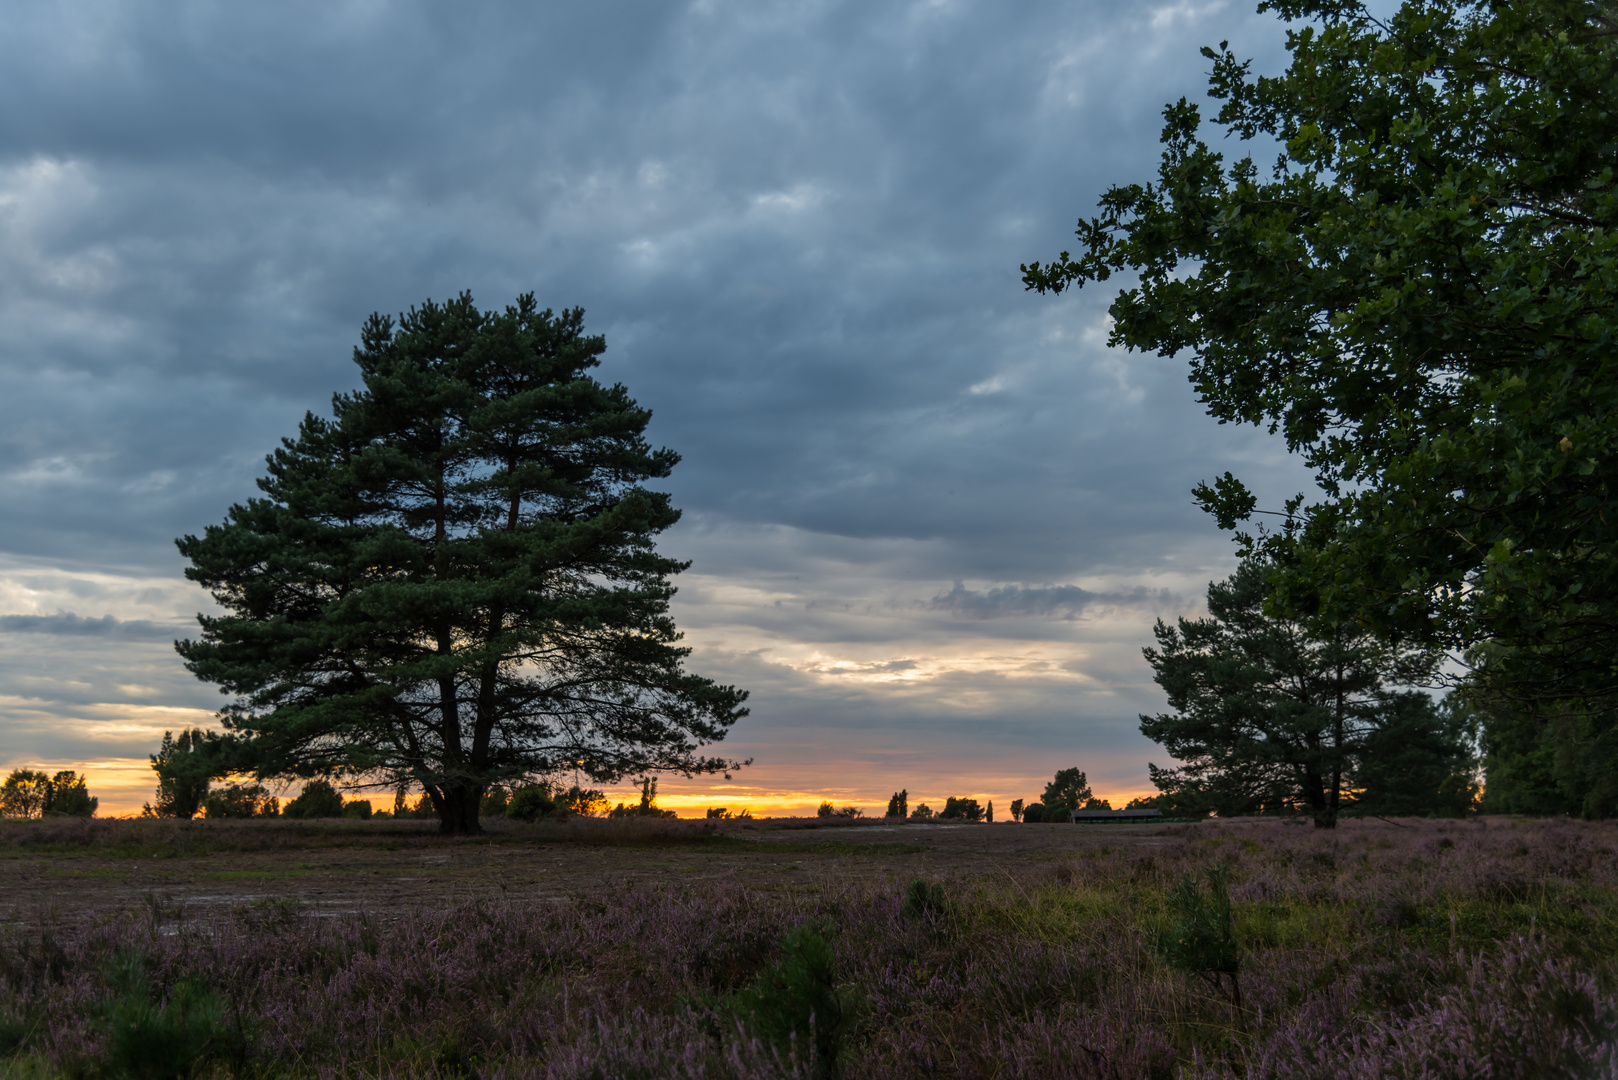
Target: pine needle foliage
(451,582)
(1199,938)
(795,1004)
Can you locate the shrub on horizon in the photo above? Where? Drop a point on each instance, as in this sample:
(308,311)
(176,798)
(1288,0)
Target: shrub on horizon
(586,802)
(899,804)
(531,803)
(495,800)
(317,800)
(647,807)
(922,812)
(959,809)
(241,801)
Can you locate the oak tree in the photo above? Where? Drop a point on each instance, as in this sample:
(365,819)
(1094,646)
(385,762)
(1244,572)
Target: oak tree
(1421,294)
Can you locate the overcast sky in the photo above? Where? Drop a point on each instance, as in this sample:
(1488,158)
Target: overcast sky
(932,516)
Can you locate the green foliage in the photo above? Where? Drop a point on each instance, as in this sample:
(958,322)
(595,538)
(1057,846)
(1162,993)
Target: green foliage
(531,803)
(69,795)
(1274,713)
(29,793)
(924,899)
(241,801)
(1421,295)
(988,812)
(185,767)
(317,800)
(1199,937)
(899,804)
(451,582)
(1016,809)
(358,808)
(495,800)
(25,793)
(961,809)
(174,1040)
(1546,760)
(1034,813)
(1419,761)
(795,1003)
(1067,791)
(922,812)
(15,1031)
(826,809)
(422,807)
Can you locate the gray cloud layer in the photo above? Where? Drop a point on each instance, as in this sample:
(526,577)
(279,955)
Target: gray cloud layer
(798,224)
(79,626)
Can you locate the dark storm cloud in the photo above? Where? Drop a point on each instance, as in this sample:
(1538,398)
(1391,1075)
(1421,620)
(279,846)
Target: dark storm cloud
(799,226)
(1059,601)
(68,624)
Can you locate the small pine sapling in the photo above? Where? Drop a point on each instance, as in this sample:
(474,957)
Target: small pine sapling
(1199,938)
(795,1004)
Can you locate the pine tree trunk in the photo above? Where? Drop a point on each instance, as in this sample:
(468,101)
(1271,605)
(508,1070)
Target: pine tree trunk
(458,813)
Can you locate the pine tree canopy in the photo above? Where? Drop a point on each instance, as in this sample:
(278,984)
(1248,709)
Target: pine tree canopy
(1275,713)
(1421,294)
(452,581)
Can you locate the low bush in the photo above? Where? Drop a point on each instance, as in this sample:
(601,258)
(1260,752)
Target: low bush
(241,801)
(923,899)
(531,803)
(961,809)
(317,800)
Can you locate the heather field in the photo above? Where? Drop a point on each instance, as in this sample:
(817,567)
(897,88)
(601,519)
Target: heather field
(605,949)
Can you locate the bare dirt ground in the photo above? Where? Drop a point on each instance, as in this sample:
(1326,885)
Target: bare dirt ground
(345,866)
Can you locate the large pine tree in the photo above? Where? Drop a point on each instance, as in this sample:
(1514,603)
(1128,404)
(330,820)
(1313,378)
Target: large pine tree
(452,581)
